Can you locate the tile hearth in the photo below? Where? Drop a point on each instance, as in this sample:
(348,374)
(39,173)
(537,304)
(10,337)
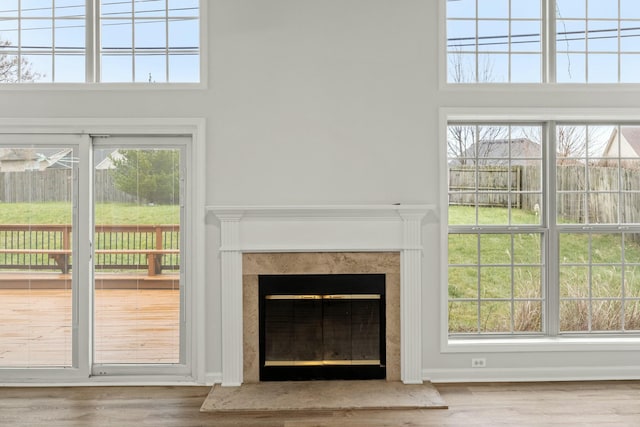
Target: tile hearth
(322,396)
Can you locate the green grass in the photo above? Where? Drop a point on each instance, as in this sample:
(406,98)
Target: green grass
(466,215)
(518,257)
(105,213)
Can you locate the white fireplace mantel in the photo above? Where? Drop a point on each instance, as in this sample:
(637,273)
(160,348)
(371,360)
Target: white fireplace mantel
(321,228)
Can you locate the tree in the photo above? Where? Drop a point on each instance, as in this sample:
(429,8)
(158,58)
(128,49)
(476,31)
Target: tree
(463,70)
(152,176)
(14,68)
(466,143)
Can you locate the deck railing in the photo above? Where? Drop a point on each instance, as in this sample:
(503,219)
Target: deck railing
(117,247)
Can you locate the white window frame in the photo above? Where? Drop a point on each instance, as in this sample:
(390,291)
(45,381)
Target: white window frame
(193,257)
(92,48)
(509,228)
(553,341)
(548,82)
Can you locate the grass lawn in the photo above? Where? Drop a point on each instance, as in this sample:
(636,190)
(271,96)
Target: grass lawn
(497,278)
(105,213)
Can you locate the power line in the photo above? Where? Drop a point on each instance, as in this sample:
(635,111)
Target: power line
(76,6)
(109,24)
(559,37)
(126,13)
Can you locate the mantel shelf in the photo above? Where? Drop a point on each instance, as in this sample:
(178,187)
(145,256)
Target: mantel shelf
(362,211)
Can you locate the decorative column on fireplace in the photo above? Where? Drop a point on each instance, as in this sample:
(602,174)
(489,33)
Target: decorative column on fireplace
(323,228)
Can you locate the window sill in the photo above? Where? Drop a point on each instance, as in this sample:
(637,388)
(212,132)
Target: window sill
(542,87)
(101,86)
(540,344)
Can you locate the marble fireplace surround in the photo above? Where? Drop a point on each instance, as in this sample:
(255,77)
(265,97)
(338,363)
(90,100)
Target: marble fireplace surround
(320,239)
(254,264)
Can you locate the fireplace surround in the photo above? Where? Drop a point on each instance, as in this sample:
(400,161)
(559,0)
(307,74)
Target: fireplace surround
(322,263)
(311,233)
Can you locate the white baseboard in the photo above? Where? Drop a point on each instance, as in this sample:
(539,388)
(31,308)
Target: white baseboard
(510,374)
(531,374)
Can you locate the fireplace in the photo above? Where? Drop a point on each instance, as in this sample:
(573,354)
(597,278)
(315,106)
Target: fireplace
(322,327)
(320,239)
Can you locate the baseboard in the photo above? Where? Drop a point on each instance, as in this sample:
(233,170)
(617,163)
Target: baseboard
(531,374)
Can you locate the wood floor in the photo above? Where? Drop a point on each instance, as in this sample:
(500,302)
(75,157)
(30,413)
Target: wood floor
(131,326)
(602,404)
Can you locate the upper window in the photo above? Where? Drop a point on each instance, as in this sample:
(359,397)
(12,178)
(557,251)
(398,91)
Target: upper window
(503,41)
(150,41)
(494,41)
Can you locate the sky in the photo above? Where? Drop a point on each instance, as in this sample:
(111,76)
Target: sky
(125,25)
(595,41)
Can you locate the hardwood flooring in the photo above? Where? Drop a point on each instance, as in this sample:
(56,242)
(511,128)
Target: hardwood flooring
(131,326)
(603,404)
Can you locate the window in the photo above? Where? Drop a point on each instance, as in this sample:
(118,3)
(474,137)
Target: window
(491,41)
(145,41)
(496,237)
(498,41)
(597,175)
(543,226)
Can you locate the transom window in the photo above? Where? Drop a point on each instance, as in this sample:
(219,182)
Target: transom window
(142,41)
(497,41)
(494,41)
(544,228)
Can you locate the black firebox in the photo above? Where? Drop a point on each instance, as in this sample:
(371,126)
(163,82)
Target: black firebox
(322,327)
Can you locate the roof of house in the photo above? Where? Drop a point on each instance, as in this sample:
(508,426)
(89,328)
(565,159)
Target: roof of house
(52,157)
(17,154)
(497,151)
(632,135)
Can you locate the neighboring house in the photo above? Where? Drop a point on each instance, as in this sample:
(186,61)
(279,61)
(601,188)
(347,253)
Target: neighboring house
(104,160)
(628,146)
(23,159)
(496,152)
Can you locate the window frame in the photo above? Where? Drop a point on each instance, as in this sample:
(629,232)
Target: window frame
(548,81)
(509,228)
(552,339)
(92,49)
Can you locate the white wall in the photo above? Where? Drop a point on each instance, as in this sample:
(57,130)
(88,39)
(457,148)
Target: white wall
(329,101)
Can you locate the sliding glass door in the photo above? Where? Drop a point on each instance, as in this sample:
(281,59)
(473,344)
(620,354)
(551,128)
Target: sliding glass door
(139,292)
(91,243)
(38,226)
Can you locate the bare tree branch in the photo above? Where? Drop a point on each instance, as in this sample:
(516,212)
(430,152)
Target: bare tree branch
(15,69)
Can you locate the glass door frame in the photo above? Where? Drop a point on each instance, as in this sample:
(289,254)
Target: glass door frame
(181,143)
(80,273)
(77,132)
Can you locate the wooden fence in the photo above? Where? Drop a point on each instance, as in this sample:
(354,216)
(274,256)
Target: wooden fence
(54,185)
(496,185)
(523,185)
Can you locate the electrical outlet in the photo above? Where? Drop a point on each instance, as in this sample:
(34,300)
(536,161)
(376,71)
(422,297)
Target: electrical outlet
(479,363)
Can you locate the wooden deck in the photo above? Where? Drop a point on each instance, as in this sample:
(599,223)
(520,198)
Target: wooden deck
(131,326)
(54,280)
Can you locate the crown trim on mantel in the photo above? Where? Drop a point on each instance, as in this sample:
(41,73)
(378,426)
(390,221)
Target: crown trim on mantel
(313,210)
(321,228)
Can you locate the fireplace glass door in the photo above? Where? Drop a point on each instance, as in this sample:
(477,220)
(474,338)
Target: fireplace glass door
(322,327)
